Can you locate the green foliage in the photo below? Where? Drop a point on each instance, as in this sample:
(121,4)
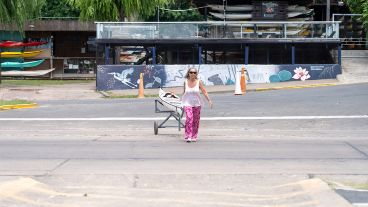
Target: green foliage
(58,8)
(18,11)
(359,7)
(179,10)
(34,82)
(115,10)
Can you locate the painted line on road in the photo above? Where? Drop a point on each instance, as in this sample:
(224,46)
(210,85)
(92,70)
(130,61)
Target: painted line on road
(202,118)
(360,204)
(18,106)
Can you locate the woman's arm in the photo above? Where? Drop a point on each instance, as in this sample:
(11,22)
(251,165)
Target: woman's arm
(205,93)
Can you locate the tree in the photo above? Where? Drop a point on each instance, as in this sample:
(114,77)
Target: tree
(57,8)
(116,10)
(19,11)
(360,7)
(179,10)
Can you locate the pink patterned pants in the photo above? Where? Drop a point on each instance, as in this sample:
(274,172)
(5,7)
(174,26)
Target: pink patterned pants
(193,114)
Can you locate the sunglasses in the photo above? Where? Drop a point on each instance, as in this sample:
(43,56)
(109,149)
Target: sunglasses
(192,72)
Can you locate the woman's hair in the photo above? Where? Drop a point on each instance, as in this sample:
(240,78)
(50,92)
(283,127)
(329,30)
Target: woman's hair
(194,69)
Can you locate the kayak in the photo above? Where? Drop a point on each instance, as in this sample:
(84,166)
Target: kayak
(29,64)
(171,101)
(31,73)
(20,44)
(20,54)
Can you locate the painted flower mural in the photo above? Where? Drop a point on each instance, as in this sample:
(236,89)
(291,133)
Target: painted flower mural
(301,74)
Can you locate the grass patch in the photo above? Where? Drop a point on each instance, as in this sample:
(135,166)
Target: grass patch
(42,82)
(14,102)
(354,185)
(360,186)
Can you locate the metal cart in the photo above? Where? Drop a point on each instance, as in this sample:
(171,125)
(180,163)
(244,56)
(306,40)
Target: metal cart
(159,108)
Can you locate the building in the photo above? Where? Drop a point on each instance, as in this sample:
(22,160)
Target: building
(71,49)
(265,37)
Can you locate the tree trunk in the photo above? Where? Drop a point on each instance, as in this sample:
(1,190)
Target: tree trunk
(122,15)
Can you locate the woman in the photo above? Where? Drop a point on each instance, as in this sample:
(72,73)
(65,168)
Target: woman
(192,104)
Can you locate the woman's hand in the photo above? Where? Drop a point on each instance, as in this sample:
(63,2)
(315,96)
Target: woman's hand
(210,103)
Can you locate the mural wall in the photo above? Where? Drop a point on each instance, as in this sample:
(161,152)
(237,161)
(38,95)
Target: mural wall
(118,77)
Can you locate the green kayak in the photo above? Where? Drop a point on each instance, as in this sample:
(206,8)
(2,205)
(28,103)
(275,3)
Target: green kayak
(19,65)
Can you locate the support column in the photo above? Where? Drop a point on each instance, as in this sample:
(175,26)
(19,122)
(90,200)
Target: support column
(293,54)
(214,57)
(199,54)
(107,54)
(154,55)
(246,55)
(339,54)
(328,9)
(205,56)
(177,56)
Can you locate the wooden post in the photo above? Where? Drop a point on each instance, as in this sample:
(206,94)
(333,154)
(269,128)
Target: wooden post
(0,67)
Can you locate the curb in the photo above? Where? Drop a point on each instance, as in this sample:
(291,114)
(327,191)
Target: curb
(18,106)
(296,87)
(104,94)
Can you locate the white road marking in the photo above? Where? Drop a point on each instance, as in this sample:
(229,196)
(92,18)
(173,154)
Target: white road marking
(202,118)
(360,204)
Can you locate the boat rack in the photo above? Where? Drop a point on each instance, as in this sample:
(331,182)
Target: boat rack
(177,116)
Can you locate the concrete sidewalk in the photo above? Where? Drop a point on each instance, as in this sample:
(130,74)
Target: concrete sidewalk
(88,90)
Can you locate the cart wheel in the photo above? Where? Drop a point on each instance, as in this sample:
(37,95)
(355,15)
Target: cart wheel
(155,128)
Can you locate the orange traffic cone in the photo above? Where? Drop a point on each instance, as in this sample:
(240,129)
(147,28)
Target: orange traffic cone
(243,81)
(141,87)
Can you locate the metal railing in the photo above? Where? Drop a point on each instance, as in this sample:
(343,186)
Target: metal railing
(217,30)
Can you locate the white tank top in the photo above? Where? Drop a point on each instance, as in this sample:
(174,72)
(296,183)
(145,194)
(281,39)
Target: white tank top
(191,96)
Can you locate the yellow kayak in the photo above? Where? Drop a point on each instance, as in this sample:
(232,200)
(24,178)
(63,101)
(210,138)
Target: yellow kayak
(20,54)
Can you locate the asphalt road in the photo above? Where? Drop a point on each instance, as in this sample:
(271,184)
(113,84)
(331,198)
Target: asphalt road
(273,148)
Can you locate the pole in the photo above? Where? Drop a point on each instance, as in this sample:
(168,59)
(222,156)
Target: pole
(224,6)
(107,51)
(293,54)
(96,61)
(154,55)
(224,2)
(328,9)
(339,54)
(199,54)
(246,54)
(158,14)
(205,14)
(51,55)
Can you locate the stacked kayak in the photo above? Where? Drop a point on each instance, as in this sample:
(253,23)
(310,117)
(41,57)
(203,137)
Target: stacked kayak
(21,54)
(11,44)
(28,73)
(17,68)
(29,64)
